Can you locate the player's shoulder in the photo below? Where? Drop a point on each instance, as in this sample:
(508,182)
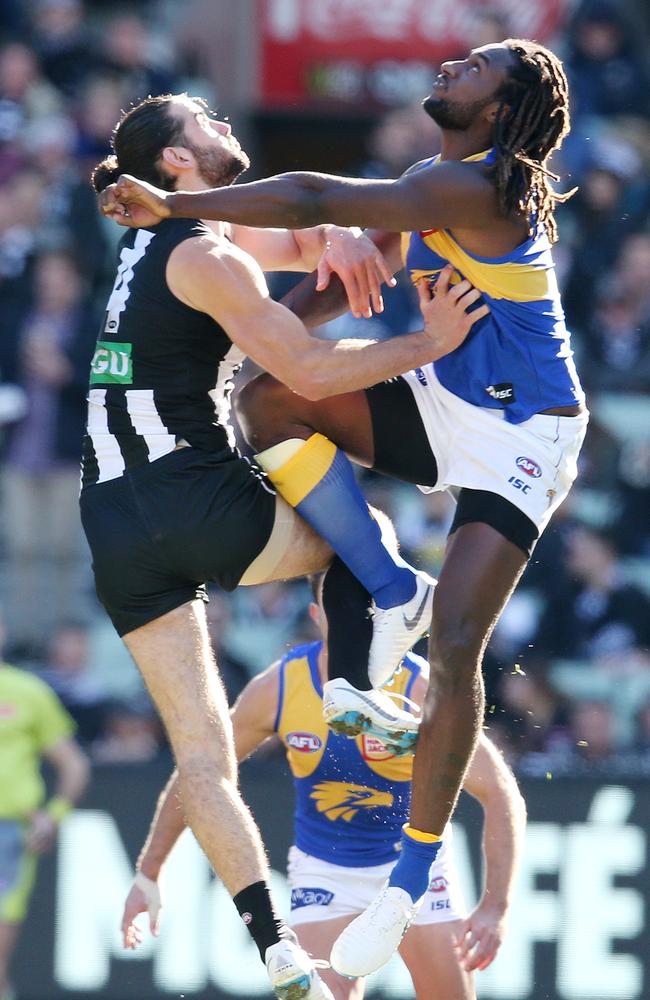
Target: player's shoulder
(464,175)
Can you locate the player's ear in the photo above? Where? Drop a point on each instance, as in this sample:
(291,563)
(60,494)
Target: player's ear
(496,109)
(314,612)
(178,157)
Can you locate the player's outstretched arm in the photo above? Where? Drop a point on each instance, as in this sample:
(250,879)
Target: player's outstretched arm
(435,196)
(252,716)
(226,284)
(491,781)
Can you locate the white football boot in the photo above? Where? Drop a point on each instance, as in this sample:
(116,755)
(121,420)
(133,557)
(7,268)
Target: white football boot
(293,973)
(350,712)
(374,936)
(396,630)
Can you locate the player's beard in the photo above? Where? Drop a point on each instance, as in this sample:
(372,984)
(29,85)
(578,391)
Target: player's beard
(220,167)
(455,117)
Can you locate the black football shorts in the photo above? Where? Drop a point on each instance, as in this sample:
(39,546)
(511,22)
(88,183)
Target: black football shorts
(160,532)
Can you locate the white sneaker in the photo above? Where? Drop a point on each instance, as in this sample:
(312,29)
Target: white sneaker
(350,712)
(395,630)
(375,935)
(293,973)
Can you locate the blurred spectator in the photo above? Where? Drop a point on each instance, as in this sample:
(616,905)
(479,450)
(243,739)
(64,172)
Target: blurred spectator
(98,110)
(606,71)
(535,715)
(592,734)
(632,526)
(126,48)
(642,741)
(601,215)
(130,735)
(40,476)
(598,617)
(61,40)
(69,218)
(618,352)
(25,98)
(67,671)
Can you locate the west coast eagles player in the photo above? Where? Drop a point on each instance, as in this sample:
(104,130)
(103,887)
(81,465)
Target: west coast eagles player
(352,798)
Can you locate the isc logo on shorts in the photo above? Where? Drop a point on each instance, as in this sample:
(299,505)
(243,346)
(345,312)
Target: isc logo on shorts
(529,467)
(310,897)
(304,742)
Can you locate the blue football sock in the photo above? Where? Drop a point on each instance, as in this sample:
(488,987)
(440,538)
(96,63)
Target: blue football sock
(413,869)
(318,480)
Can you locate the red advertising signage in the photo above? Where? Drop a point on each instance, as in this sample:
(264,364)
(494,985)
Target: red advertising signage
(376,52)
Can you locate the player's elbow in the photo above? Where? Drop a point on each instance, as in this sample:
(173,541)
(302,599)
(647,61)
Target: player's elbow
(303,209)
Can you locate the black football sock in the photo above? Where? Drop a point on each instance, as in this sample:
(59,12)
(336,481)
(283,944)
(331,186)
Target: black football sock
(349,625)
(256,909)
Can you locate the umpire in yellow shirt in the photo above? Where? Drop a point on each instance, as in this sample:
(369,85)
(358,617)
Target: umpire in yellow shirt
(33,726)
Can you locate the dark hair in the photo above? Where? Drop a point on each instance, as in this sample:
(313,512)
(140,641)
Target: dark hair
(532,122)
(138,140)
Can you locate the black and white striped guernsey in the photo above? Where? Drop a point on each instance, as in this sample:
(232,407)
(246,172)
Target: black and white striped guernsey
(162,372)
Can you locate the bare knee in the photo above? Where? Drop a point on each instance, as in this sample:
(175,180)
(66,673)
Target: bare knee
(262,408)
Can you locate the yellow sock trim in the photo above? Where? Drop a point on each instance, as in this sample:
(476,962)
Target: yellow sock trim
(297,477)
(420,836)
(273,458)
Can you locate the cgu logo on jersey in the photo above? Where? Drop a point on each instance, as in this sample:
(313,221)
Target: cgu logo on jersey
(438,884)
(112,363)
(529,467)
(373,749)
(340,800)
(304,742)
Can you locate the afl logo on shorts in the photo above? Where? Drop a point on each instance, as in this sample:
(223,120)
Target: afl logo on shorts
(529,467)
(438,884)
(304,742)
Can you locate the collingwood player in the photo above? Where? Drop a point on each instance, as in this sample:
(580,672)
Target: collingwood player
(499,420)
(167,503)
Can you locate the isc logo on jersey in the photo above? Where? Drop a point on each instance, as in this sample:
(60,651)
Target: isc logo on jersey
(529,467)
(304,742)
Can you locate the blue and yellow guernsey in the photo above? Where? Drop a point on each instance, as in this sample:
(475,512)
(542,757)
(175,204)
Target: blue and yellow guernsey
(517,358)
(352,796)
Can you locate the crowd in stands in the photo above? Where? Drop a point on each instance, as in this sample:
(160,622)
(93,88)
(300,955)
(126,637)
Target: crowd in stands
(568,668)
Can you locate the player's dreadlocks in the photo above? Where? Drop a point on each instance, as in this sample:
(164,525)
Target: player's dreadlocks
(532,121)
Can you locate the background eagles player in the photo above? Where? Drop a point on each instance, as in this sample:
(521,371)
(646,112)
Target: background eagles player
(352,798)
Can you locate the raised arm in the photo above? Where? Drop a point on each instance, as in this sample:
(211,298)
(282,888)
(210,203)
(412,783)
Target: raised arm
(315,303)
(253,717)
(222,281)
(491,781)
(435,196)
